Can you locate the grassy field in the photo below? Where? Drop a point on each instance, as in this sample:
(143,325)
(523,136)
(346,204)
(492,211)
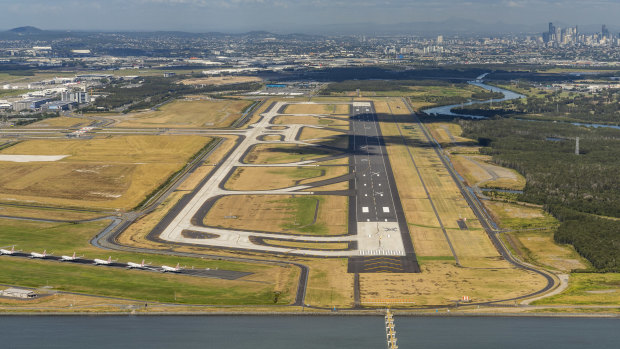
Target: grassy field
(442,283)
(421,92)
(329,284)
(183,113)
(310,120)
(448,201)
(310,133)
(64,238)
(476,169)
(519,216)
(6,78)
(587,289)
(282,154)
(61,121)
(308,245)
(317,109)
(12,93)
(48,213)
(281,213)
(267,178)
(113,173)
(220,80)
(135,234)
(135,284)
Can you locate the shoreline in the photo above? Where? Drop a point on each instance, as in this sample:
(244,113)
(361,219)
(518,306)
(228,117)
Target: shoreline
(312,314)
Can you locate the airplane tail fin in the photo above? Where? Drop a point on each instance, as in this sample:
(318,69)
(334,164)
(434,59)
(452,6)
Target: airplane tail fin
(142,263)
(12,248)
(110,259)
(177,267)
(73,254)
(44,253)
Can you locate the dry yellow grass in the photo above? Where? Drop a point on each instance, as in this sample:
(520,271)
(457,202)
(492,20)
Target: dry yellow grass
(310,120)
(281,213)
(429,242)
(284,153)
(216,156)
(308,133)
(272,138)
(114,173)
(332,187)
(329,284)
(308,245)
(220,80)
(61,121)
(442,283)
(268,178)
(55,214)
(448,201)
(183,113)
(540,247)
(317,109)
(477,171)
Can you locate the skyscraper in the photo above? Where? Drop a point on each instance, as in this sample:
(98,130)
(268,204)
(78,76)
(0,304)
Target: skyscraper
(605,31)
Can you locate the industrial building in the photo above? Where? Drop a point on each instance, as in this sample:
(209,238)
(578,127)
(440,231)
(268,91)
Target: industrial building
(75,96)
(30,103)
(18,293)
(58,105)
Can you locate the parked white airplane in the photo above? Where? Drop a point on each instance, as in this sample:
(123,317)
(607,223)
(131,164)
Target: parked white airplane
(165,268)
(39,255)
(132,265)
(11,251)
(70,258)
(98,261)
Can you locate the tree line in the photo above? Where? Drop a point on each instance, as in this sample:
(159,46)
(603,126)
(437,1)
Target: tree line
(153,91)
(580,190)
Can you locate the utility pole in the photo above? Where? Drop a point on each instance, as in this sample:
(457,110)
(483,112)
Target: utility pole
(577,146)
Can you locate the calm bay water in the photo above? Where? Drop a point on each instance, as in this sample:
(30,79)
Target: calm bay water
(342,332)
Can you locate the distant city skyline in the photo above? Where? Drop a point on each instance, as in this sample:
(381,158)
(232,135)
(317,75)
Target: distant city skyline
(309,16)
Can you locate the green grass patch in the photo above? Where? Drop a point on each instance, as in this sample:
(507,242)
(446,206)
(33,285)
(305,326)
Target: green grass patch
(588,288)
(12,93)
(132,283)
(305,209)
(65,238)
(434,258)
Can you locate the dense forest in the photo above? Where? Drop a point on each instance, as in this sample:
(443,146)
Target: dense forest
(580,190)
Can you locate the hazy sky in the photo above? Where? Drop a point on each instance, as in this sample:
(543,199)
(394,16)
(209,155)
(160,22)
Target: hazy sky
(292,15)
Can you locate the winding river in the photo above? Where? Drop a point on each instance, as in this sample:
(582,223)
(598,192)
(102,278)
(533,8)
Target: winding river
(447,109)
(508,95)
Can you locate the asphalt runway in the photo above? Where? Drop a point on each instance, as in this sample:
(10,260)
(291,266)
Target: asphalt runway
(378,211)
(374,201)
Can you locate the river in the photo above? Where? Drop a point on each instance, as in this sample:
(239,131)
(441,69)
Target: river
(447,109)
(508,95)
(298,332)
